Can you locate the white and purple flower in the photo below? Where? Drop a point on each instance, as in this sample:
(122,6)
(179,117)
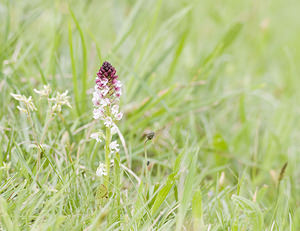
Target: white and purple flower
(106,98)
(101,170)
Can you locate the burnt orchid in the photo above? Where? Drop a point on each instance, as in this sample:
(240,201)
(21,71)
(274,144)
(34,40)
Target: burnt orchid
(106,97)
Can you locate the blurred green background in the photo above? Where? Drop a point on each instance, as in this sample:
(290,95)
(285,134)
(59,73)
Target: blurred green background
(216,78)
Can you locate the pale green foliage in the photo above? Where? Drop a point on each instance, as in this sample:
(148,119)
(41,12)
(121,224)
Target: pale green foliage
(217,81)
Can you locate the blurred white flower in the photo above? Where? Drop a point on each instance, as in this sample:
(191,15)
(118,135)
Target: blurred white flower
(22,109)
(115,112)
(115,109)
(96,136)
(44,92)
(104,102)
(98,113)
(59,100)
(108,122)
(26,101)
(114,129)
(18,97)
(114,147)
(101,170)
(119,116)
(96,99)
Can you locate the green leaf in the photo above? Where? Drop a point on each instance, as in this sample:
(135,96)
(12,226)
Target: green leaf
(84,74)
(5,217)
(163,193)
(187,190)
(222,45)
(252,210)
(74,73)
(197,211)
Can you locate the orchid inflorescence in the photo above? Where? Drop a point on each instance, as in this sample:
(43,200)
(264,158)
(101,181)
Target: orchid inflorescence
(106,97)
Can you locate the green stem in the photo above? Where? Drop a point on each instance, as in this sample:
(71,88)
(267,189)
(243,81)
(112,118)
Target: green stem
(47,122)
(107,159)
(146,165)
(117,176)
(35,137)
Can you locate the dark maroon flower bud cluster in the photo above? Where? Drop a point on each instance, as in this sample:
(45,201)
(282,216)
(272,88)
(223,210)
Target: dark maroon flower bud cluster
(107,71)
(107,78)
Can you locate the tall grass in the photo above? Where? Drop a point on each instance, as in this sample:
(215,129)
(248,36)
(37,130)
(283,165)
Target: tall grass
(217,82)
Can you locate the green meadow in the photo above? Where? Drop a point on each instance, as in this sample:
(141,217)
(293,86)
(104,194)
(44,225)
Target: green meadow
(210,134)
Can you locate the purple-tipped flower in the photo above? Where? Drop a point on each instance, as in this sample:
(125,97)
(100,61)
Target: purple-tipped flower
(106,95)
(106,99)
